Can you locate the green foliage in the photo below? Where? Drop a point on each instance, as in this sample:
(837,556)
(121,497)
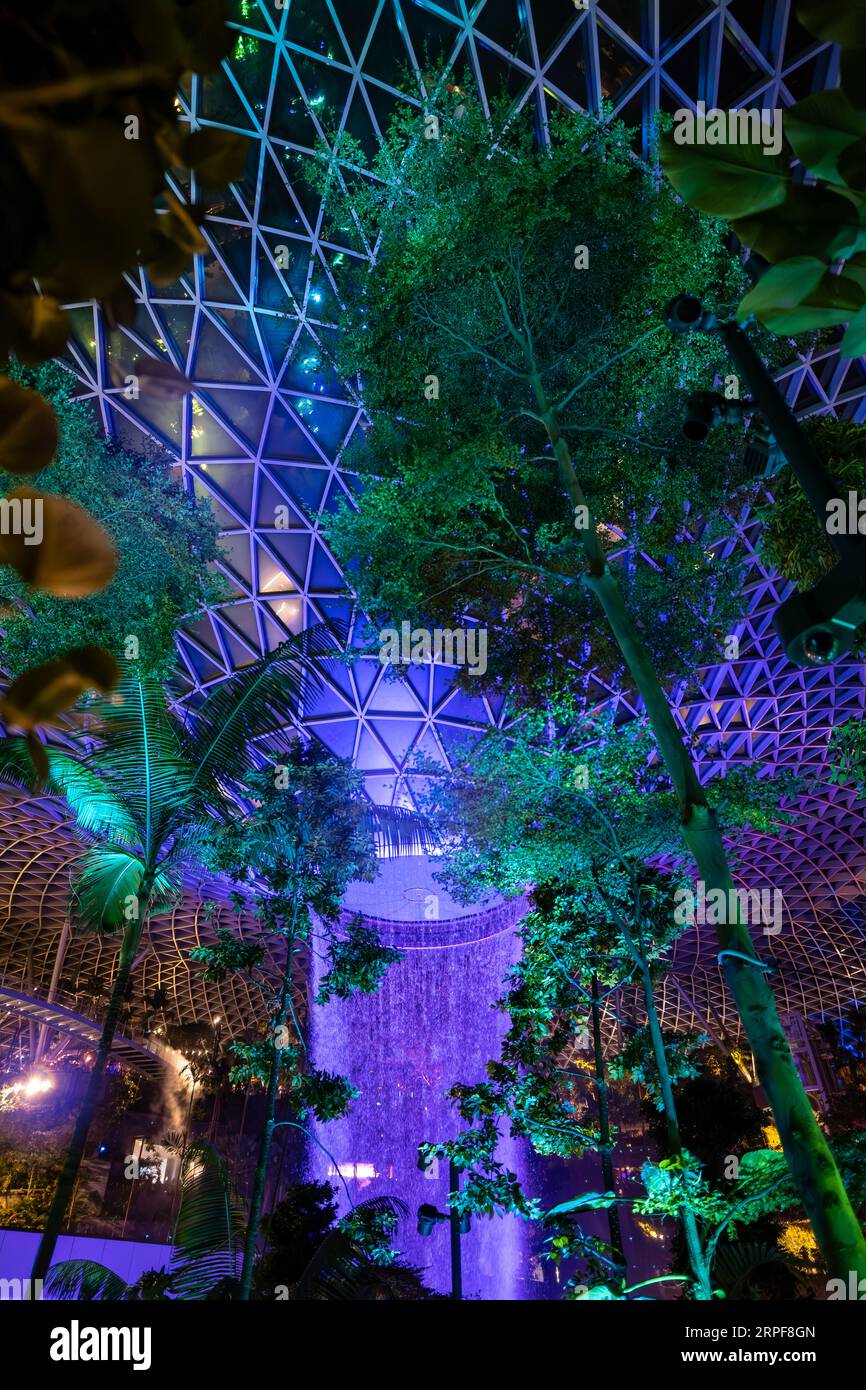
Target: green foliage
(208,1233)
(559,796)
(489,1188)
(229,955)
(305,837)
(253,1062)
(356,1260)
(322,1094)
(205,1244)
(295,1230)
(371,1226)
(461,510)
(675,1183)
(803,229)
(495,1194)
(793,540)
(357,962)
(636,1062)
(850,1154)
(89,135)
(167,544)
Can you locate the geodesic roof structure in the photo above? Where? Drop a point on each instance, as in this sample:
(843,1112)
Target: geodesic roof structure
(266,424)
(46,959)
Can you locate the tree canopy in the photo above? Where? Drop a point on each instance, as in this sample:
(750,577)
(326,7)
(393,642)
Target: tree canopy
(481,238)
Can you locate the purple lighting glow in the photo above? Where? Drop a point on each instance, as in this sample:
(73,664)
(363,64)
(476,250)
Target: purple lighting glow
(431,1025)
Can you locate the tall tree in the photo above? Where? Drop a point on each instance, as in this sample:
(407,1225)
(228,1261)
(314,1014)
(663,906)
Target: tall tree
(523,400)
(142,797)
(310,832)
(576,808)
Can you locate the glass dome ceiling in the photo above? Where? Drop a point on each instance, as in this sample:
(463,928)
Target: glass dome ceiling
(266,424)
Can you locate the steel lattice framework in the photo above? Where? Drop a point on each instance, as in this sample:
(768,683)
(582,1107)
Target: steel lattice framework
(49,959)
(266,424)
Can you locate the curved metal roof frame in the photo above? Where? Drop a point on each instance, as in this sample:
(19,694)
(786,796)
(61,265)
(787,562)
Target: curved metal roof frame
(266,426)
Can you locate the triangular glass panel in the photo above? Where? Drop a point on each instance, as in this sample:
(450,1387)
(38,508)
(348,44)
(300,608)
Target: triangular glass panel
(324,574)
(217,358)
(245,410)
(220,103)
(208,438)
(309,25)
(286,439)
(234,481)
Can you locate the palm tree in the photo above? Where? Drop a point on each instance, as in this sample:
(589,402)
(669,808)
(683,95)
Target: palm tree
(143,795)
(206,1244)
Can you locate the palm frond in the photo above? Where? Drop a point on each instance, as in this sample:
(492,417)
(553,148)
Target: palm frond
(86,1281)
(340,1270)
(260,698)
(335,1273)
(90,798)
(141,756)
(399,832)
(107,877)
(736,1262)
(207,1237)
(16,764)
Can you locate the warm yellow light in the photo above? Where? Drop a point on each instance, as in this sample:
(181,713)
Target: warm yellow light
(35,1085)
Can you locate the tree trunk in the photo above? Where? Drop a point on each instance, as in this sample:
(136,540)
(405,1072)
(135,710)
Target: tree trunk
(813,1168)
(606,1147)
(92,1096)
(694,1244)
(267,1133)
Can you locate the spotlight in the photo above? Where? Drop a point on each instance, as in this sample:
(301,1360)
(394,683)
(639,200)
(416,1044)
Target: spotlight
(705,410)
(818,625)
(686,314)
(427,1218)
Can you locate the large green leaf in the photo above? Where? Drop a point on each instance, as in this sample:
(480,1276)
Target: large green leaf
(208,1234)
(90,799)
(854,338)
(812,221)
(852,164)
(801,295)
(725,180)
(820,127)
(587,1201)
(835,21)
(853,342)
